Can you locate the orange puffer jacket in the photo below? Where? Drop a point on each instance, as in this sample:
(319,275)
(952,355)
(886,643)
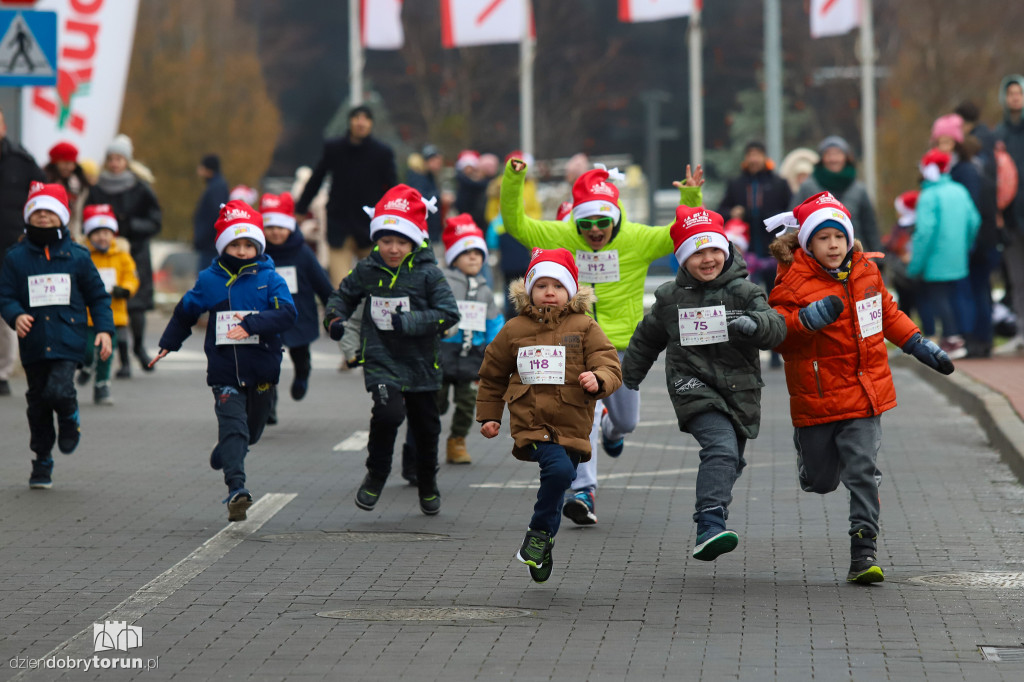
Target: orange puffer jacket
(835,373)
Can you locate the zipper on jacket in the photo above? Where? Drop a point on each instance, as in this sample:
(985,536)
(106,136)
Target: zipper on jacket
(817,379)
(234,347)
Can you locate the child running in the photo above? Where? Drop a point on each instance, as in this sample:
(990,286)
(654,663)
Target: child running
(117,270)
(713,320)
(249,308)
(307,281)
(47,283)
(838,315)
(409,305)
(550,363)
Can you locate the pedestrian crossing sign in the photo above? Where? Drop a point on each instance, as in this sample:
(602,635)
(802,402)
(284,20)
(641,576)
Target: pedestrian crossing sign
(28,48)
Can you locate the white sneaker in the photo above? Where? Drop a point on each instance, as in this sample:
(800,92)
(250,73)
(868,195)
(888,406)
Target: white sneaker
(1011,347)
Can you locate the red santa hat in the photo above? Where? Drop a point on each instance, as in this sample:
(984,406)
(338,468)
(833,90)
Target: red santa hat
(278,210)
(245,193)
(557,264)
(50,197)
(97,216)
(594,195)
(467,157)
(906,208)
(63,151)
(460,235)
(813,214)
(933,164)
(402,209)
(564,212)
(238,220)
(738,233)
(696,229)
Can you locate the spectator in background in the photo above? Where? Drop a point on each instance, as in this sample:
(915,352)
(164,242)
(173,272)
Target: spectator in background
(124,184)
(362,169)
(425,180)
(837,173)
(757,193)
(471,186)
(18,170)
(798,166)
(245,193)
(577,165)
(63,169)
(207,210)
(1011,133)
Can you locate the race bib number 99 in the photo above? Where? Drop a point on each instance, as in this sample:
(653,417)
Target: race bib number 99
(381,310)
(541,364)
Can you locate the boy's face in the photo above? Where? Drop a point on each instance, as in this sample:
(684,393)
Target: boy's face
(393,249)
(470,262)
(243,249)
(276,235)
(828,246)
(101,238)
(597,230)
(44,218)
(548,291)
(706,264)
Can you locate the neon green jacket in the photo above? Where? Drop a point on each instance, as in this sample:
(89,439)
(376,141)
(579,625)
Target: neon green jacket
(620,305)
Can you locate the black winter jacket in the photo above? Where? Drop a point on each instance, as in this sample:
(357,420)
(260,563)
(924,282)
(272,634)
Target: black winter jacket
(17,171)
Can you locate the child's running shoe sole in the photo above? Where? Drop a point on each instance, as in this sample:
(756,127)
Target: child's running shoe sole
(238,506)
(716,545)
(578,512)
(40,485)
(541,575)
(866,577)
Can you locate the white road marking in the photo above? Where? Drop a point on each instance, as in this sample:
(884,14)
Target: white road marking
(659,422)
(516,485)
(158,589)
(355,442)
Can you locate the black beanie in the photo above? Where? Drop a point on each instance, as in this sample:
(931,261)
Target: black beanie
(211,162)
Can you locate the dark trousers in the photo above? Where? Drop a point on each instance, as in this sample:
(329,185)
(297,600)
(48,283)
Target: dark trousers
(241,417)
(51,391)
(391,406)
(940,300)
(557,471)
(982,263)
(301,361)
(721,460)
(845,451)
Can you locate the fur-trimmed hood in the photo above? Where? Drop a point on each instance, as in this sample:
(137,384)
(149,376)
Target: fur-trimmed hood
(582,302)
(784,247)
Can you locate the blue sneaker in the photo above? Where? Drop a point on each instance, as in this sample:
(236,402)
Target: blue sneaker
(69,431)
(612,447)
(714,542)
(238,501)
(299,388)
(580,507)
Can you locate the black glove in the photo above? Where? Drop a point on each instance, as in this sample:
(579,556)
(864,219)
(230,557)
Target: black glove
(120,292)
(396,322)
(744,324)
(336,328)
(927,352)
(822,313)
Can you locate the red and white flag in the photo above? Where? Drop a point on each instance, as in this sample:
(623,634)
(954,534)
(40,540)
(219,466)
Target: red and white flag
(834,17)
(633,11)
(483,22)
(382,24)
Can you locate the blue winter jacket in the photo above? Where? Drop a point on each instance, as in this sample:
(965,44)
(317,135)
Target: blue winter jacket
(947,223)
(256,287)
(312,284)
(59,332)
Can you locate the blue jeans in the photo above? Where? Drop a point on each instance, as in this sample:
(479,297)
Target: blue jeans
(721,460)
(557,471)
(982,263)
(241,417)
(939,299)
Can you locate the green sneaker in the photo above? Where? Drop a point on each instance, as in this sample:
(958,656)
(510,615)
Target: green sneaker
(536,548)
(541,575)
(713,543)
(865,571)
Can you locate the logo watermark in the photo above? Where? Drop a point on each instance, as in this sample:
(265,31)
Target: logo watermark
(111,635)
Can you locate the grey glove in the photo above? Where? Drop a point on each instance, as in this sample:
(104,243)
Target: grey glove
(821,313)
(744,324)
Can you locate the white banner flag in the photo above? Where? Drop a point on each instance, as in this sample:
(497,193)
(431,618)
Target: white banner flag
(382,24)
(834,17)
(632,11)
(482,22)
(94,41)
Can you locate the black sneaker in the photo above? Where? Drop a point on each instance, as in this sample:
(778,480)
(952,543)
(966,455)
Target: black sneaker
(41,472)
(69,432)
(238,502)
(101,395)
(299,388)
(369,492)
(430,504)
(124,373)
(84,377)
(5,387)
(865,571)
(535,548)
(541,575)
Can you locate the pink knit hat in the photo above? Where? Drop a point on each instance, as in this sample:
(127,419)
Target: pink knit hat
(950,125)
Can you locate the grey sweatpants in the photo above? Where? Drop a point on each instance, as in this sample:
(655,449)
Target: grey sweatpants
(844,451)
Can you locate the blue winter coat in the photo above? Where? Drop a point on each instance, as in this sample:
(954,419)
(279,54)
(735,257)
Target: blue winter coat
(59,332)
(947,223)
(461,364)
(312,284)
(255,287)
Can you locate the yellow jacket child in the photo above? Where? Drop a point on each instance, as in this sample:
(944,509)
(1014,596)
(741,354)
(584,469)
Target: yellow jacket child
(116,267)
